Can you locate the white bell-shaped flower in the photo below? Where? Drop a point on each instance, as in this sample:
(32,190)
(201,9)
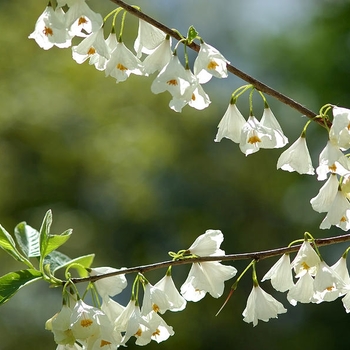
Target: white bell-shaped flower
(303,290)
(325,197)
(154,299)
(280,274)
(208,244)
(296,158)
(209,62)
(109,286)
(261,306)
(268,120)
(50,29)
(339,133)
(306,260)
(148,38)
(231,124)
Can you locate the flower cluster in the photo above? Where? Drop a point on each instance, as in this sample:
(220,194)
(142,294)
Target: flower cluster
(316,281)
(109,325)
(251,134)
(58,28)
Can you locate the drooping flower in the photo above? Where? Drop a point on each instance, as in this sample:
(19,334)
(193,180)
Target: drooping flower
(255,136)
(231,124)
(305,265)
(194,96)
(100,61)
(306,260)
(332,160)
(280,274)
(148,38)
(268,120)
(123,63)
(84,320)
(50,29)
(109,286)
(206,277)
(325,197)
(176,301)
(296,158)
(81,20)
(339,133)
(209,62)
(328,285)
(159,58)
(154,299)
(160,330)
(302,291)
(338,213)
(261,306)
(173,78)
(92,46)
(60,325)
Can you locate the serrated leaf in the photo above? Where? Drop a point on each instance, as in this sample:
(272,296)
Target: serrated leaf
(192,34)
(8,244)
(80,264)
(28,239)
(13,281)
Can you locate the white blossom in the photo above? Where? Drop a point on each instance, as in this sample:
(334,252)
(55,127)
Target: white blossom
(325,197)
(280,274)
(339,133)
(296,158)
(109,286)
(176,301)
(231,124)
(261,306)
(148,38)
(333,160)
(268,120)
(50,29)
(303,290)
(206,277)
(208,244)
(209,62)
(123,63)
(255,136)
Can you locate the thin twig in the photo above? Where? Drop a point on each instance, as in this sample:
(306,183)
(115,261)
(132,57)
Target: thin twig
(237,72)
(260,255)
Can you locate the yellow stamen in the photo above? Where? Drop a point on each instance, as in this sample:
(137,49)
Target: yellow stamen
(330,288)
(91,51)
(193,98)
(343,219)
(333,168)
(82,20)
(47,31)
(155,308)
(86,322)
(254,139)
(212,65)
(138,333)
(121,67)
(157,332)
(304,265)
(172,82)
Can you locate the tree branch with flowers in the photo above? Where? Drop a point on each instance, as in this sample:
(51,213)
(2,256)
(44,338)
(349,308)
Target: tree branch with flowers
(107,324)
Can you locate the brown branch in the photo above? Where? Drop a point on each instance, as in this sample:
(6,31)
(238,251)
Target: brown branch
(249,79)
(260,255)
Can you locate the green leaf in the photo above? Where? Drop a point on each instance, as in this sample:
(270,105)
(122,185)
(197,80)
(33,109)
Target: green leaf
(49,243)
(80,264)
(55,241)
(56,260)
(28,239)
(13,281)
(45,233)
(8,244)
(192,34)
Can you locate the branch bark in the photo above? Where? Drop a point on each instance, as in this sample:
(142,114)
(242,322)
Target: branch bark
(259,255)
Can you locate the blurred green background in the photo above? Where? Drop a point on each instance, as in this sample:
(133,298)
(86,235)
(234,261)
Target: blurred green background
(135,179)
